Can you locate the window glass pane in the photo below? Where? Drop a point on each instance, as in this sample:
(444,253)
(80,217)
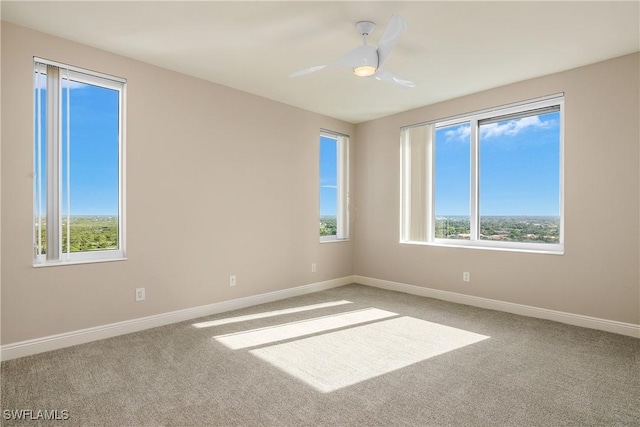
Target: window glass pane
(328,186)
(90,167)
(519,163)
(451,176)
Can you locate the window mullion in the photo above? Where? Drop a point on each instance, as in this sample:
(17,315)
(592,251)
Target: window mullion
(474,185)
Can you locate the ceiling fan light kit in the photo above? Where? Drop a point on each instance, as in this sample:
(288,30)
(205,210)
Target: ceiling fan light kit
(366,60)
(366,57)
(364,71)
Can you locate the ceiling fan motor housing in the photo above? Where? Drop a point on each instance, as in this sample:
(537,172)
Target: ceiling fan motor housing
(367,56)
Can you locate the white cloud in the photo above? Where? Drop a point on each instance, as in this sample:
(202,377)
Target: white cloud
(329,186)
(510,128)
(513,127)
(460,133)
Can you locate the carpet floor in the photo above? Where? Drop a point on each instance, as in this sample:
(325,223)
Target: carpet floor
(349,356)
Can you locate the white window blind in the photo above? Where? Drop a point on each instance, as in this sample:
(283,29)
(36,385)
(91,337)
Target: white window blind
(416,173)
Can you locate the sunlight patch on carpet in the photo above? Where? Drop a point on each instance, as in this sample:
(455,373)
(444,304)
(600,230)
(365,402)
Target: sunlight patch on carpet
(286,331)
(342,358)
(266,314)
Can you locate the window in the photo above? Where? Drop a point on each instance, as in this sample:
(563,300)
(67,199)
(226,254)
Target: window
(78,165)
(334,187)
(486,179)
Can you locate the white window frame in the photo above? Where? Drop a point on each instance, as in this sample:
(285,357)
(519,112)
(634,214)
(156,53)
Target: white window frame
(408,214)
(53,211)
(342,217)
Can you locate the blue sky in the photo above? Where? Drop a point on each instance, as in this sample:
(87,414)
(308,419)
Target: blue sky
(519,168)
(328,176)
(94,150)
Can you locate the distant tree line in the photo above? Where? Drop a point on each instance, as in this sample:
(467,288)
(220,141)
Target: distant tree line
(503,228)
(88,233)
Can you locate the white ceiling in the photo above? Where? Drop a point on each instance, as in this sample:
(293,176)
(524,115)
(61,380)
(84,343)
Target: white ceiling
(449,49)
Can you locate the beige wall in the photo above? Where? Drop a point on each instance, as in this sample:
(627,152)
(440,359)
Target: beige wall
(219,182)
(598,275)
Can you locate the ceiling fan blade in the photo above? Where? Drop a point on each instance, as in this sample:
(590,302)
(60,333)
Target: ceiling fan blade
(307,71)
(388,76)
(390,37)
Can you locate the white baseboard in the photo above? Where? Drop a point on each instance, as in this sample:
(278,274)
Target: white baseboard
(621,328)
(67,339)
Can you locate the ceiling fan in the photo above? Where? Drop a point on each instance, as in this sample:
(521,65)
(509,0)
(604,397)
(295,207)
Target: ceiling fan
(366,60)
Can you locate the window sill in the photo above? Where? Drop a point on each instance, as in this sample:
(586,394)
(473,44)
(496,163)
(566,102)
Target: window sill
(74,262)
(524,248)
(332,240)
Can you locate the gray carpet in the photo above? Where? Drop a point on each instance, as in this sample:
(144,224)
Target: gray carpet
(368,357)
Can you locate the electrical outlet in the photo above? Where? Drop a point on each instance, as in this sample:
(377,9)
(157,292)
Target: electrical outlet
(140,294)
(232,280)
(465,276)
(313,267)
